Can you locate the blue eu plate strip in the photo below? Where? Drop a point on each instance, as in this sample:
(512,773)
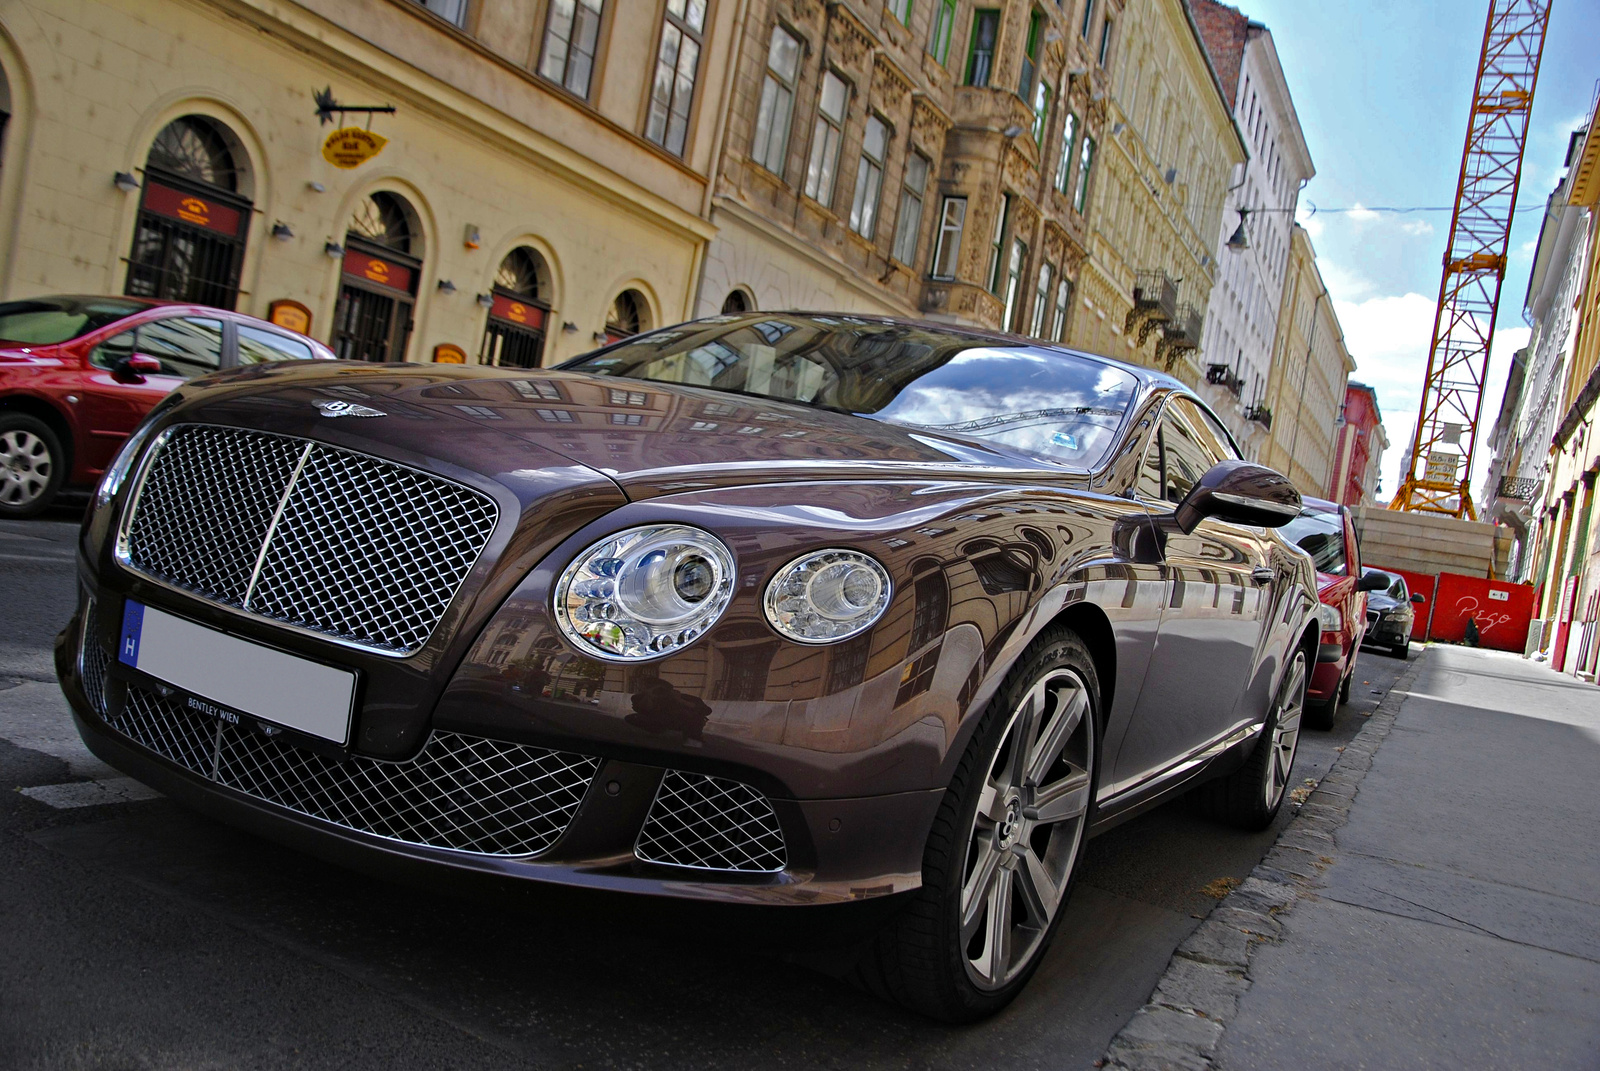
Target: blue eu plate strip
(132,625)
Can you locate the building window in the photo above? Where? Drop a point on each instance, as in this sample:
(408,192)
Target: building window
(629,314)
(1069,134)
(1041,300)
(944,22)
(980,56)
(378,286)
(450,10)
(997,244)
(901,9)
(676,64)
(514,334)
(1030,56)
(1088,19)
(1019,257)
(1105,41)
(570,31)
(189,240)
(825,139)
(1041,113)
(771,141)
(869,179)
(1085,166)
(737,303)
(908,225)
(1058,328)
(947,250)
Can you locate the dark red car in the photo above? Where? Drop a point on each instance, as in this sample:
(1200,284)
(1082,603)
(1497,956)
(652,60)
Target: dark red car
(1325,531)
(777,608)
(78,373)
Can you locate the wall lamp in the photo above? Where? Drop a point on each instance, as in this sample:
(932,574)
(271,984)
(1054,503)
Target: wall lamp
(281,231)
(334,250)
(1241,238)
(124,181)
(569,328)
(446,286)
(486,300)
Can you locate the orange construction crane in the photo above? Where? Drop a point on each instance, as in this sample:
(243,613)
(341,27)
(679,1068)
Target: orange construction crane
(1438,480)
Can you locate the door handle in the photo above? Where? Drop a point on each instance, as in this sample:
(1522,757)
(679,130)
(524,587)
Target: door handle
(1262,575)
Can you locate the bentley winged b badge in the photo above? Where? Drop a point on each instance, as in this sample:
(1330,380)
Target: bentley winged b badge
(338,409)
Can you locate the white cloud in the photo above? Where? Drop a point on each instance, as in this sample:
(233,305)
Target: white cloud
(1360,214)
(1416,227)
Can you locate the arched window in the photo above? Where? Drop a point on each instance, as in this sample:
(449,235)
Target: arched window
(378,290)
(628,316)
(737,302)
(518,310)
(188,243)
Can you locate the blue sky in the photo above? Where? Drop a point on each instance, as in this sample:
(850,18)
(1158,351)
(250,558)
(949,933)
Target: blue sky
(1382,91)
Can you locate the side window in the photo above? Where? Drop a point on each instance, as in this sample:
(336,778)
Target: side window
(1186,459)
(257,346)
(1399,590)
(1352,546)
(114,349)
(186,346)
(1151,479)
(1210,433)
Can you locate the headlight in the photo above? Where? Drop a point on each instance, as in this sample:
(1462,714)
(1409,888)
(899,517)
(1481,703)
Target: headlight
(827,595)
(1332,620)
(644,592)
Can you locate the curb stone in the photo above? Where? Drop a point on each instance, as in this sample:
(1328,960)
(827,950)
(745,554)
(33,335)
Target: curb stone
(1182,1024)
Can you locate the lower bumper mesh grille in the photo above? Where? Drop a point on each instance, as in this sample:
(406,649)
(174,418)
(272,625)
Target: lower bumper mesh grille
(464,793)
(711,823)
(92,659)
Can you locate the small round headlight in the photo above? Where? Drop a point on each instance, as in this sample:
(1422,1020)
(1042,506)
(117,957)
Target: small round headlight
(644,592)
(827,595)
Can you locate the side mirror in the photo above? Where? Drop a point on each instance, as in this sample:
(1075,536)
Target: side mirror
(1418,597)
(134,367)
(1239,492)
(1373,582)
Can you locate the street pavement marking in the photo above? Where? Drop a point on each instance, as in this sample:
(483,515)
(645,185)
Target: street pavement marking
(91,793)
(65,559)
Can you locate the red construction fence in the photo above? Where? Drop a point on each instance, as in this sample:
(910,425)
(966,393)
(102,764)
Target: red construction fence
(1501,610)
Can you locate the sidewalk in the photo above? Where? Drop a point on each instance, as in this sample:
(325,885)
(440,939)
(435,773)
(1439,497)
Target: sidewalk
(1435,904)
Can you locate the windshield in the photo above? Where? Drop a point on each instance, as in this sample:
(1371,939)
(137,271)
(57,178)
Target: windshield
(1320,535)
(1044,402)
(46,321)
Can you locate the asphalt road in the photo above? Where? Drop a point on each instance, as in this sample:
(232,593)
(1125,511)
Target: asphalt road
(137,934)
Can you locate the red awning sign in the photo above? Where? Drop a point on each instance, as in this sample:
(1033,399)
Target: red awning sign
(374,270)
(197,211)
(518,312)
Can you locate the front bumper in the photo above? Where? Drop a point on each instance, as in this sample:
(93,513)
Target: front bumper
(1328,673)
(590,829)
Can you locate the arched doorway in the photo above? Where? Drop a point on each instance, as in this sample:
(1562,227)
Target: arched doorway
(737,303)
(514,335)
(628,316)
(378,287)
(194,215)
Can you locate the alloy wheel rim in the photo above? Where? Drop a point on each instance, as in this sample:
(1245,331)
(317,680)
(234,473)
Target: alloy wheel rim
(1286,730)
(25,467)
(1024,838)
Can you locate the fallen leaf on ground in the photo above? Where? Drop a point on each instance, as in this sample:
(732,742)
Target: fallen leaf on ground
(1220,888)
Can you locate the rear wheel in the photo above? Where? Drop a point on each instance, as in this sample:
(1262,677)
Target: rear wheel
(1250,796)
(1004,848)
(32,465)
(1401,650)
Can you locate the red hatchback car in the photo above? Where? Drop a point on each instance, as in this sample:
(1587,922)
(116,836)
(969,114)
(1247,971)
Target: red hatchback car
(77,374)
(1325,531)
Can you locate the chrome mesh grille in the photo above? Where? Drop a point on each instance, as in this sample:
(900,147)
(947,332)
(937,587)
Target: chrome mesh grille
(306,534)
(93,659)
(464,793)
(711,823)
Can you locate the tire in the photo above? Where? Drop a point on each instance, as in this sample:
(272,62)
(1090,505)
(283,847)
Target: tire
(1006,842)
(1251,796)
(1402,652)
(32,465)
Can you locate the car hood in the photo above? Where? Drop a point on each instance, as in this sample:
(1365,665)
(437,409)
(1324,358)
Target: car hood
(1329,586)
(1377,600)
(648,438)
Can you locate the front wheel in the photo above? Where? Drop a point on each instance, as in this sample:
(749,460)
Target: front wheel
(1251,796)
(32,465)
(1005,845)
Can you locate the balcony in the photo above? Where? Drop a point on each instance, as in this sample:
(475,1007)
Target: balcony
(1260,414)
(1180,335)
(1220,375)
(1518,488)
(1155,301)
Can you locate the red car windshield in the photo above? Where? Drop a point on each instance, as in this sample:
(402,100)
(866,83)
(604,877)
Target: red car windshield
(1320,535)
(46,321)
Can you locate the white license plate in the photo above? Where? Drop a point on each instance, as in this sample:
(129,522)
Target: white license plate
(246,677)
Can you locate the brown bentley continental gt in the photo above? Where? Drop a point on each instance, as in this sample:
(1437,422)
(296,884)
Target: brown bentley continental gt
(781,609)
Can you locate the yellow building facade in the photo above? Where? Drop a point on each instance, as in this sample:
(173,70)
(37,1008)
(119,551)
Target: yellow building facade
(543,183)
(1310,367)
(1170,149)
